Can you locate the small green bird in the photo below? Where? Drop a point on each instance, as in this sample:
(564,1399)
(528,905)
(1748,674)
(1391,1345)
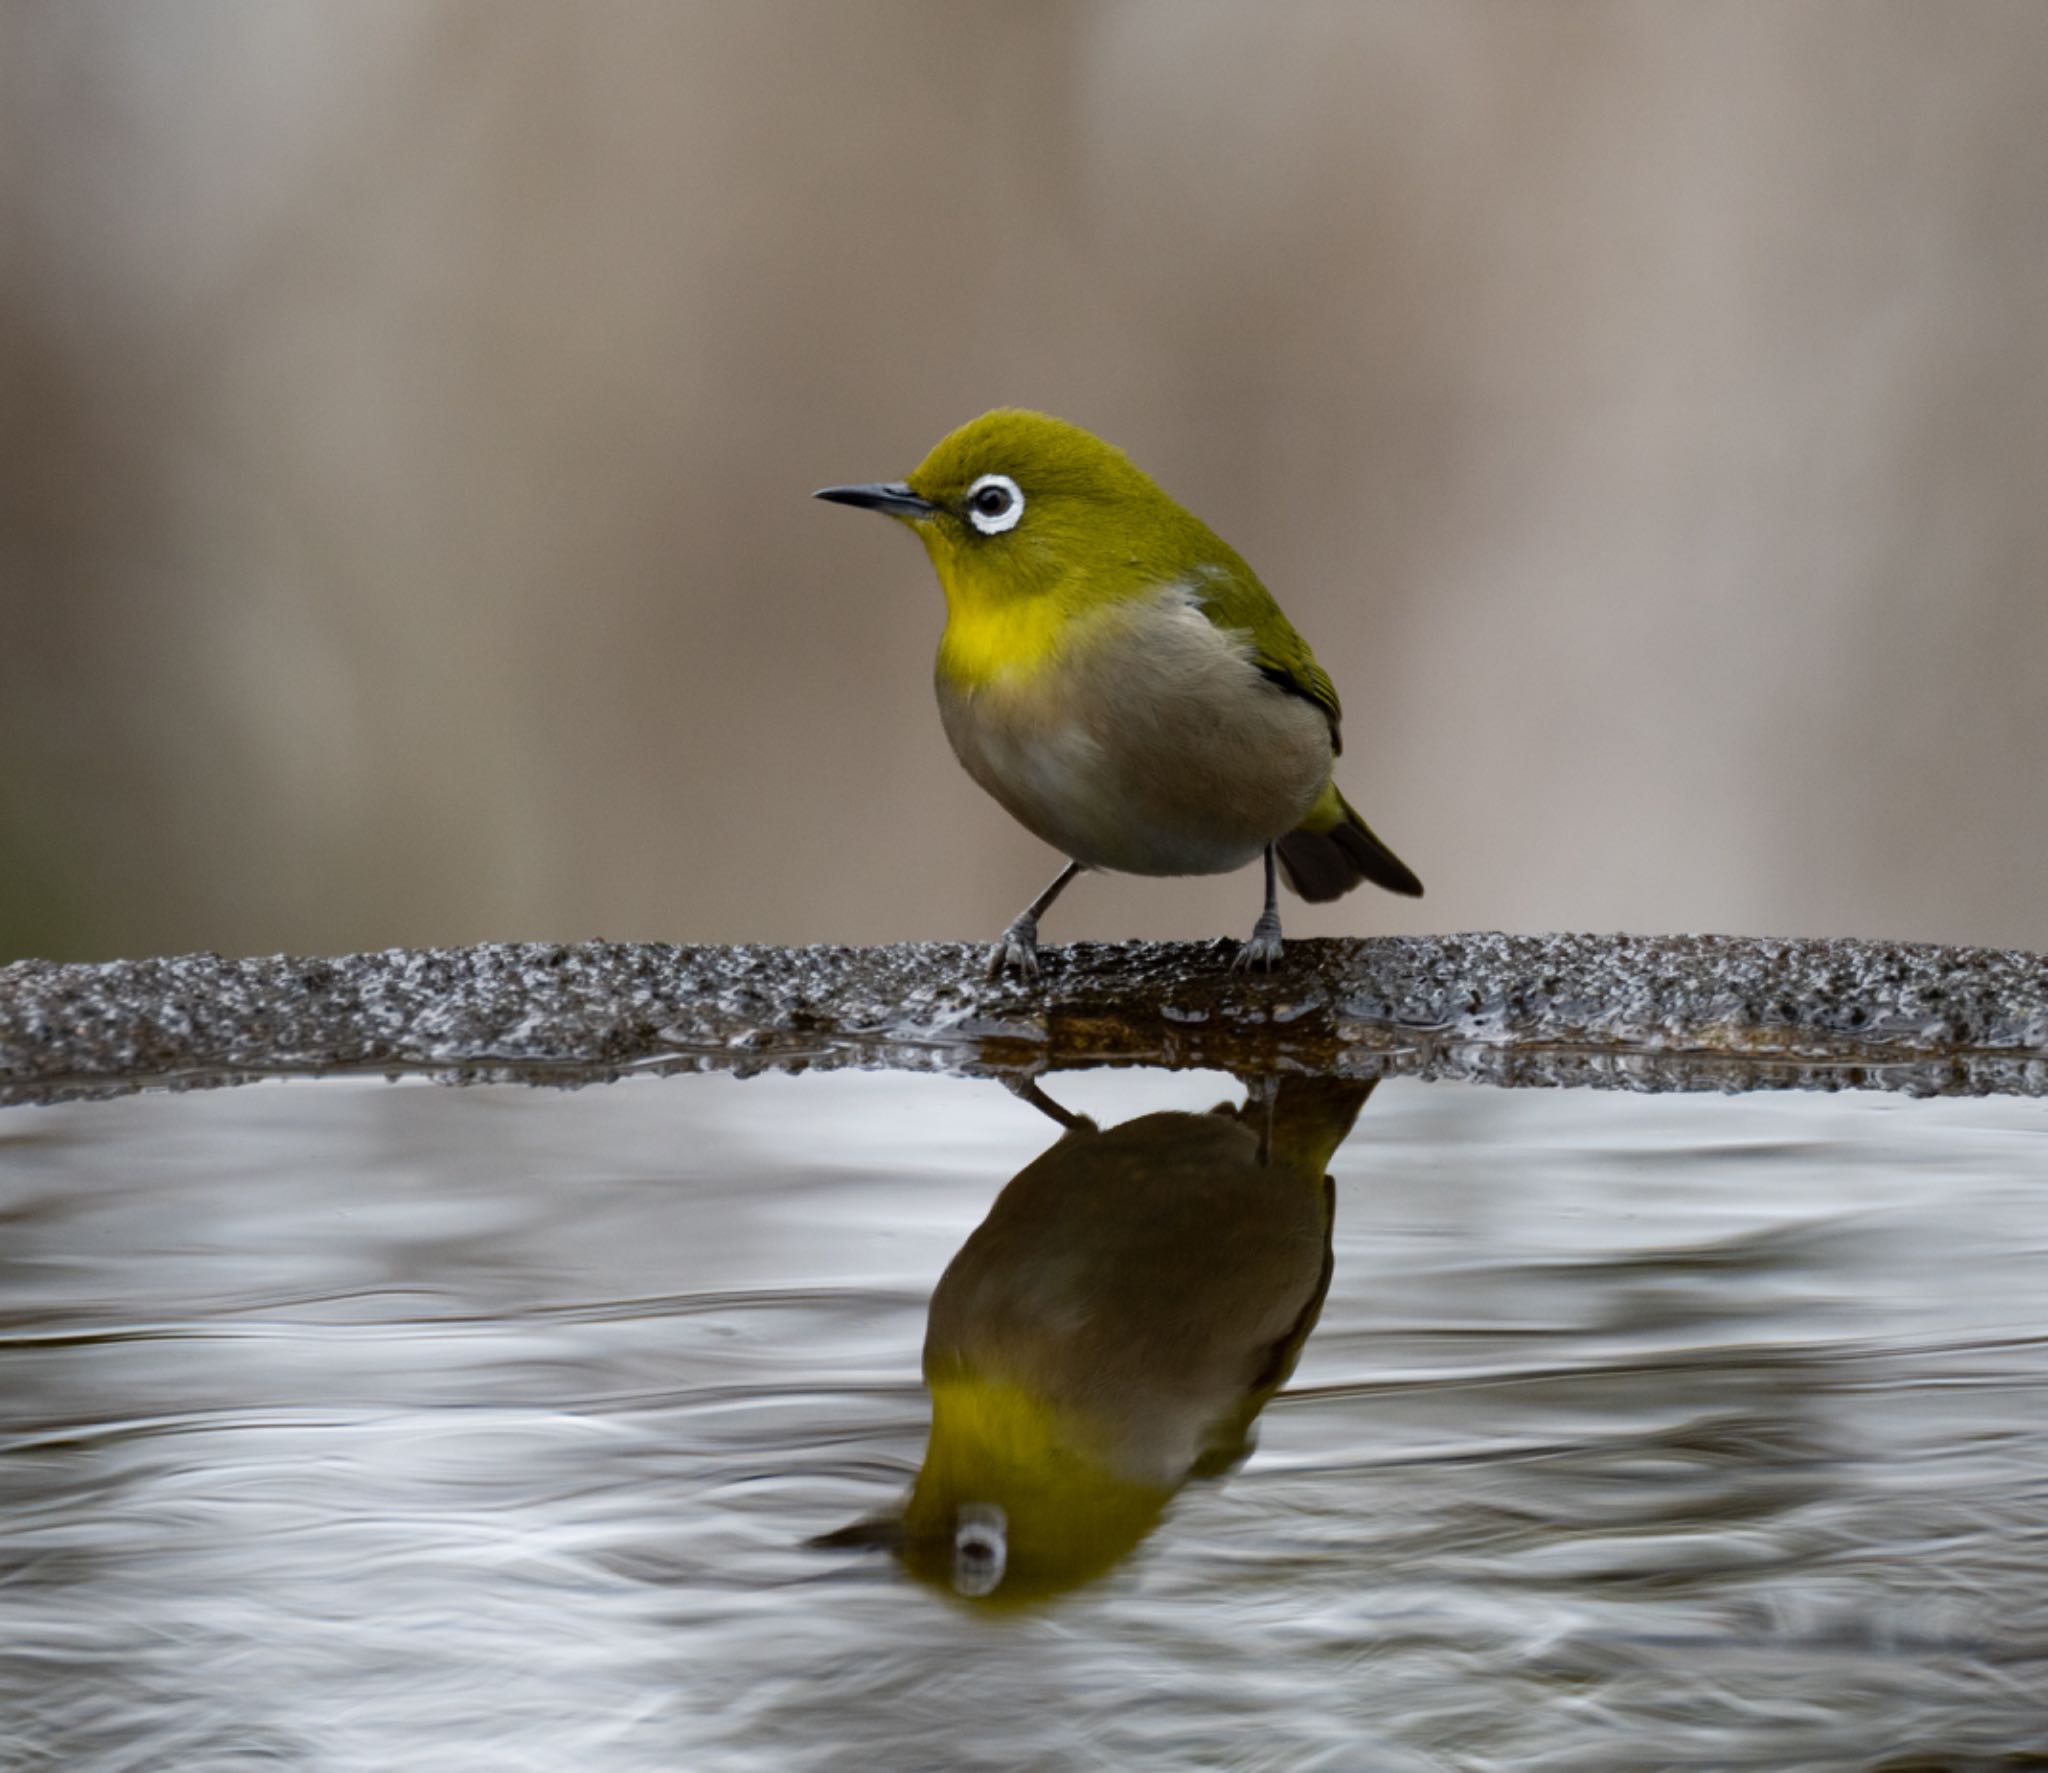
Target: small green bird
(1110,1332)
(1115,675)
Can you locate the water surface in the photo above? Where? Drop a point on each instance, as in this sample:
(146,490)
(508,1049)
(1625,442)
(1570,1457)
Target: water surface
(353,1426)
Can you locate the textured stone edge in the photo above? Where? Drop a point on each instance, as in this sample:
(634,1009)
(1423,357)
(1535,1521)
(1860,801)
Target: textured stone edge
(1644,1012)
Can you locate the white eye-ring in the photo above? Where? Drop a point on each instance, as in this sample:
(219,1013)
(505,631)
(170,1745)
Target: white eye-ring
(994,504)
(981,1549)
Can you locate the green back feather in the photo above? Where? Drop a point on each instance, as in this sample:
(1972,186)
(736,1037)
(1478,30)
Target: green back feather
(1236,600)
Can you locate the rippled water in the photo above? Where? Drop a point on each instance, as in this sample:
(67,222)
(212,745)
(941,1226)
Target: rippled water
(358,1426)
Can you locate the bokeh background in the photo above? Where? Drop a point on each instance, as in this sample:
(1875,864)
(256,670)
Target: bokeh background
(408,411)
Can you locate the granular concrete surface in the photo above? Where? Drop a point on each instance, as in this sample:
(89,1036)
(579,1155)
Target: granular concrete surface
(1644,1012)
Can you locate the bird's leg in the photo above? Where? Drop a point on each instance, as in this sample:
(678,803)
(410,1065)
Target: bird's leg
(1026,1089)
(1262,948)
(1261,1101)
(1017,946)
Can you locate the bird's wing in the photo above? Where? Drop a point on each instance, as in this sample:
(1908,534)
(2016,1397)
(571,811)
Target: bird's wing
(1239,604)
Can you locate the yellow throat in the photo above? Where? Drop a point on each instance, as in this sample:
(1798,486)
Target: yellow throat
(992,631)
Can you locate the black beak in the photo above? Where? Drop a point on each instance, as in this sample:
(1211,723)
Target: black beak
(890,497)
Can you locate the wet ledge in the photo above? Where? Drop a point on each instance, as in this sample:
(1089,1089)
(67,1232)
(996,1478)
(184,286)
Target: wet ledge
(1670,1012)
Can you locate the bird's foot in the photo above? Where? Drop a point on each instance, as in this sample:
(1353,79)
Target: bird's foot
(1261,951)
(1015,950)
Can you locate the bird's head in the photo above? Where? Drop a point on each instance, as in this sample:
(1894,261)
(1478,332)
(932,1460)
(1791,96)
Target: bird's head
(1017,1500)
(1017,504)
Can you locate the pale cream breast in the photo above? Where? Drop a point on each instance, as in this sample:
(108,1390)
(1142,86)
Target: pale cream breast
(1148,744)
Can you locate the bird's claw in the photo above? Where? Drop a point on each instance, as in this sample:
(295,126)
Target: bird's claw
(1015,950)
(1262,950)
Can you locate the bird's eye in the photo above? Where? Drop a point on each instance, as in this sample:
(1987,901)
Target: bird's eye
(994,503)
(980,1549)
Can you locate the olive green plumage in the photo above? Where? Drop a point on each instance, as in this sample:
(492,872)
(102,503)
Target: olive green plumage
(1116,676)
(1110,1332)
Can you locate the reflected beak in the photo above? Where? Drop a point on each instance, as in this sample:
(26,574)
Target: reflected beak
(891,497)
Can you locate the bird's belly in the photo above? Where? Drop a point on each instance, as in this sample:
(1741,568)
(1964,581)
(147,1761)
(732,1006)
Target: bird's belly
(1152,748)
(1059,786)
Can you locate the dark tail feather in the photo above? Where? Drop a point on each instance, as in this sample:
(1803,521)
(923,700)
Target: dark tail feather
(1326,864)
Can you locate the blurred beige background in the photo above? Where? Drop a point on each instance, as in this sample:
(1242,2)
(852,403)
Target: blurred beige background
(408,411)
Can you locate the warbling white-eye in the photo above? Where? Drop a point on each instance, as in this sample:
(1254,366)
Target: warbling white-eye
(1117,677)
(1111,1330)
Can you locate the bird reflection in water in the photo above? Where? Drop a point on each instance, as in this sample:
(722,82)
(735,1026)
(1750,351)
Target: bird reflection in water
(1111,1330)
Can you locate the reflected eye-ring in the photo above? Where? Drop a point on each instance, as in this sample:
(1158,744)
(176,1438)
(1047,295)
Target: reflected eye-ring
(994,504)
(980,1549)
